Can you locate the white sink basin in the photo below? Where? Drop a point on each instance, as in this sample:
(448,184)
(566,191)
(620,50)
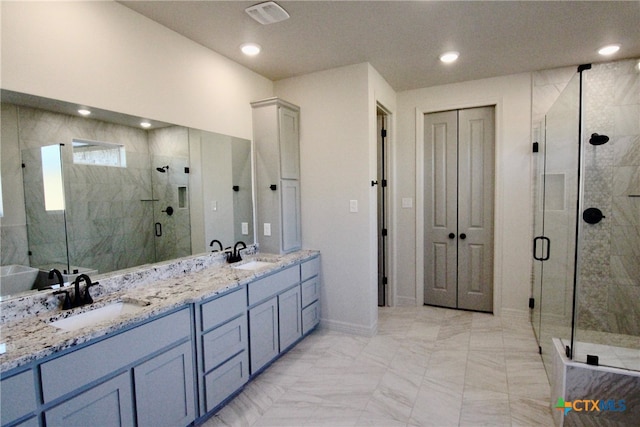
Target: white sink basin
(98,315)
(253,265)
(16,278)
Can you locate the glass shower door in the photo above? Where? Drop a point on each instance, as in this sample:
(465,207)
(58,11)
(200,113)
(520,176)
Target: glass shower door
(555,221)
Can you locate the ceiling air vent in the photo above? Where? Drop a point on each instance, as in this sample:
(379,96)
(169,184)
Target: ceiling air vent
(267,13)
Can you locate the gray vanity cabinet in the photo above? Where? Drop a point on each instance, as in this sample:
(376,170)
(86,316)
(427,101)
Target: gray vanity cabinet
(277,159)
(274,315)
(289,320)
(310,277)
(18,397)
(110,403)
(223,356)
(151,365)
(165,389)
(263,324)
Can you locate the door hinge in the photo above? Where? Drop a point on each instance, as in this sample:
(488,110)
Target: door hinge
(24,166)
(383,133)
(384,231)
(385,281)
(532,302)
(384,182)
(536,147)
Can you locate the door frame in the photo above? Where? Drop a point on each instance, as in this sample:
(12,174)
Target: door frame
(390,216)
(498,211)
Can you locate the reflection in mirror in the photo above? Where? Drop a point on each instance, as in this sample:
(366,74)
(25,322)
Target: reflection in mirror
(128,196)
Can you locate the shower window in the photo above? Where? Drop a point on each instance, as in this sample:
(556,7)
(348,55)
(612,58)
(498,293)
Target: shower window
(87,152)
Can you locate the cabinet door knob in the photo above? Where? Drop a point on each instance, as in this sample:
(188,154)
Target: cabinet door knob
(273,187)
(463,236)
(452,236)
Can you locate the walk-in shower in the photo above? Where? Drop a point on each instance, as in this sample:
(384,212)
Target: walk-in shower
(586,276)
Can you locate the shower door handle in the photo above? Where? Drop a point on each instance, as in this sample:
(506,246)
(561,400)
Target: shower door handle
(545,256)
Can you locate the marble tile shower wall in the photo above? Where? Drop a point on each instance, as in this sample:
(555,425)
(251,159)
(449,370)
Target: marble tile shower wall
(609,294)
(109,226)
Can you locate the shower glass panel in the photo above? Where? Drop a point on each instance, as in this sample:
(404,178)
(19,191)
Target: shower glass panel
(586,274)
(43,179)
(555,220)
(607,322)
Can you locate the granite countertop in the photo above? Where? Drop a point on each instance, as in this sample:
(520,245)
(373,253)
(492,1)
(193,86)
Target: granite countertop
(33,338)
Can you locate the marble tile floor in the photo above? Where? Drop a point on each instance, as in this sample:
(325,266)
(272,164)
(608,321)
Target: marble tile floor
(426,366)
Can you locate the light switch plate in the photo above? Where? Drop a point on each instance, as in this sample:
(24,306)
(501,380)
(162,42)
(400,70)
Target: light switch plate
(267,229)
(245,228)
(407,202)
(353,206)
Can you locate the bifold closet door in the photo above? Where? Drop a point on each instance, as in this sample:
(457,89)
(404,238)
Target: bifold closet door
(459,147)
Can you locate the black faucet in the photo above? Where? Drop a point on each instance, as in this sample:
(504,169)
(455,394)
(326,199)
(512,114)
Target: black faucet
(58,275)
(235,255)
(219,244)
(77,299)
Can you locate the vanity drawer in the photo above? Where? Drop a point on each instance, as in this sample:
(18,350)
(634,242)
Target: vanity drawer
(224,342)
(18,396)
(310,268)
(74,370)
(310,291)
(310,317)
(225,380)
(272,285)
(222,309)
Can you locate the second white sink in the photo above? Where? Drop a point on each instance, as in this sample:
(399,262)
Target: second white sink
(253,265)
(92,317)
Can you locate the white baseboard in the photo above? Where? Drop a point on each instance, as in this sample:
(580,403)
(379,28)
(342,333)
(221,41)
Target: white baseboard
(349,328)
(405,302)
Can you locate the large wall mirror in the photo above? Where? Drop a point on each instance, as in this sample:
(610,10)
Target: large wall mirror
(100,193)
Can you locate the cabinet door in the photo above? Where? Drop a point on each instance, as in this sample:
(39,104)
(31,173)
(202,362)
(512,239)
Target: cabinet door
(225,380)
(289,321)
(289,145)
(263,333)
(165,389)
(109,404)
(18,396)
(291,238)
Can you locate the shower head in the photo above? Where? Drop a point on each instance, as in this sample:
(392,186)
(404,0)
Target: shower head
(163,169)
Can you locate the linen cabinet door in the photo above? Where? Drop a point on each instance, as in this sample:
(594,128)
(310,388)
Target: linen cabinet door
(165,393)
(109,404)
(263,333)
(291,234)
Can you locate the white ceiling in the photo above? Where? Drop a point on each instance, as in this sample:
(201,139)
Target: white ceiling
(403,39)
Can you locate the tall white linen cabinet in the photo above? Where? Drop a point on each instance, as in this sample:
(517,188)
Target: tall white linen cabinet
(276,138)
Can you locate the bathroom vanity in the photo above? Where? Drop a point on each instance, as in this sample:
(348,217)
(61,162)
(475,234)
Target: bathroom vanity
(182,349)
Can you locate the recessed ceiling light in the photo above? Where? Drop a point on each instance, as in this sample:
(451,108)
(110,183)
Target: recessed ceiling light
(84,112)
(250,49)
(145,124)
(609,49)
(449,57)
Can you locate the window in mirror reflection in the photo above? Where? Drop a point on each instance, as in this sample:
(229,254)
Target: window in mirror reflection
(98,153)
(52,178)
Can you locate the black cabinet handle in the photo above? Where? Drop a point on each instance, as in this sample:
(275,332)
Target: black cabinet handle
(158,229)
(463,236)
(452,236)
(273,187)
